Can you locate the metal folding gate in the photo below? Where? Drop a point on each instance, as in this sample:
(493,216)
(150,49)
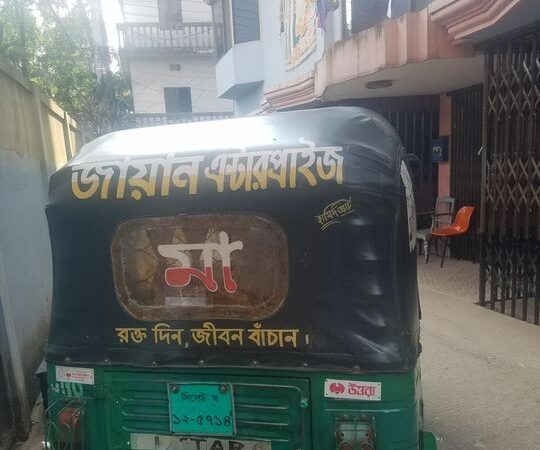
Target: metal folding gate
(466,165)
(510,215)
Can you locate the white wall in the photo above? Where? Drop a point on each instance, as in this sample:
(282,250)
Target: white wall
(140,11)
(147,11)
(250,101)
(274,52)
(149,75)
(193,11)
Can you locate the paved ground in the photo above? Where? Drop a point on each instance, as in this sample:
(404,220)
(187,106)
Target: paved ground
(481,369)
(461,278)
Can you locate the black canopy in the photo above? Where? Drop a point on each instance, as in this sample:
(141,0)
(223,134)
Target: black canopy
(330,187)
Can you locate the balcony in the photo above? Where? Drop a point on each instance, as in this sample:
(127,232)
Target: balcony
(195,38)
(240,69)
(139,120)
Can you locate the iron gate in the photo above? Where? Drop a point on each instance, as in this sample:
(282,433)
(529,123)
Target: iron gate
(509,275)
(466,165)
(416,120)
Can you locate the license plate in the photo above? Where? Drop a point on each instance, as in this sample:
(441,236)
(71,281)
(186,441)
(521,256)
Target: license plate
(201,408)
(141,441)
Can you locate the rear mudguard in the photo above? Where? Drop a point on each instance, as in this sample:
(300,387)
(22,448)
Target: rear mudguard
(429,441)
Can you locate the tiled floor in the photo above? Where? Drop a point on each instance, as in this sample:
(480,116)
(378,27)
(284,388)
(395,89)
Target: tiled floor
(457,277)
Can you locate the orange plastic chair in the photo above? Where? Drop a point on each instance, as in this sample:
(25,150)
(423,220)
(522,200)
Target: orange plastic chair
(459,226)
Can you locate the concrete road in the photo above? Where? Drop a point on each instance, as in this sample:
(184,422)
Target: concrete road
(481,375)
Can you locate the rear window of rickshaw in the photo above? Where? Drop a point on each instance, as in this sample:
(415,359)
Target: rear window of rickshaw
(219,266)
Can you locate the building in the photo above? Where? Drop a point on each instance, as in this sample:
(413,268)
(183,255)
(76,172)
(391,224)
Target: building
(99,34)
(461,70)
(169,50)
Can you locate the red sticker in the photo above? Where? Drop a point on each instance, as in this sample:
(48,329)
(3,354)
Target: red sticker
(352,390)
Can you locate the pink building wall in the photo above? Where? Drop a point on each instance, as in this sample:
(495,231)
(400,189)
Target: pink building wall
(445,127)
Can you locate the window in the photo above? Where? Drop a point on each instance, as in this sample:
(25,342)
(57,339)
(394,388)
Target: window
(215,266)
(236,21)
(170,11)
(177,100)
(418,5)
(367,13)
(400,7)
(245,14)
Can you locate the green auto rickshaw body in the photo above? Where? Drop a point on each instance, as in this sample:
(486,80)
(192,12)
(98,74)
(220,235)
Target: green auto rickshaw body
(246,284)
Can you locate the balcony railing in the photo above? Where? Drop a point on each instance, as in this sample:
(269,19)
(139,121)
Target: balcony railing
(150,119)
(192,37)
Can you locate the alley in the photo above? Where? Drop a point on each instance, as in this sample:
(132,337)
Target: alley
(480,374)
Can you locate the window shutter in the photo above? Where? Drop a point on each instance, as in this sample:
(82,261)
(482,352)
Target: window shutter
(245,20)
(177,100)
(184,99)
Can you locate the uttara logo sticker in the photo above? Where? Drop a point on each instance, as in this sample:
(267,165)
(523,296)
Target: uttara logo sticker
(337,388)
(353,390)
(334,212)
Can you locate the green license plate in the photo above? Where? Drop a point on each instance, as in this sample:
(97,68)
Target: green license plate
(202,409)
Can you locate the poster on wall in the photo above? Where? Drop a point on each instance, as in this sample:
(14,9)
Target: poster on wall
(300,27)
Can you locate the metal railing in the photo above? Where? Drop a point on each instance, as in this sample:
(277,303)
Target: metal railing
(139,120)
(510,200)
(192,37)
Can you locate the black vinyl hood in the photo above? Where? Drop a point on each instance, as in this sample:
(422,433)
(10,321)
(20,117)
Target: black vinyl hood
(334,182)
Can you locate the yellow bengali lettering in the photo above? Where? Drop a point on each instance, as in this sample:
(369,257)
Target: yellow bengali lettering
(240,170)
(164,333)
(206,335)
(272,337)
(135,335)
(211,336)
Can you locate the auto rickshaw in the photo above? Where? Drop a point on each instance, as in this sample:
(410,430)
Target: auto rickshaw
(244,284)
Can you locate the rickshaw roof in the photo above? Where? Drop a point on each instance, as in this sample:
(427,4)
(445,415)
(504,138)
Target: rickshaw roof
(312,213)
(279,130)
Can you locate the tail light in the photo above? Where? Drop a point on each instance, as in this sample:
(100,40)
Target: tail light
(65,430)
(355,433)
(69,425)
